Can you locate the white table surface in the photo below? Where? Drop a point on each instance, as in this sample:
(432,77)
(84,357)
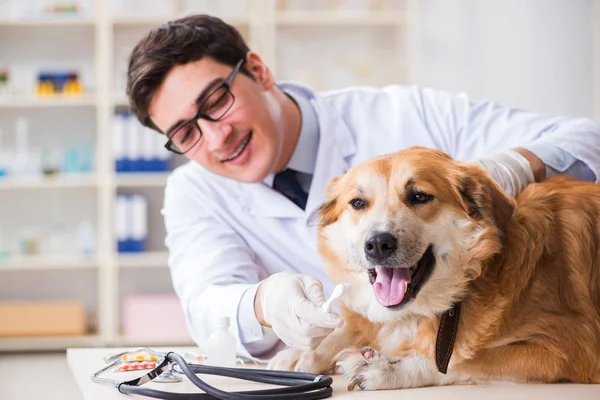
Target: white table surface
(84,362)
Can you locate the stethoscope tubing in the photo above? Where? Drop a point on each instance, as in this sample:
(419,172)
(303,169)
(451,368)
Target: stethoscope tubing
(312,389)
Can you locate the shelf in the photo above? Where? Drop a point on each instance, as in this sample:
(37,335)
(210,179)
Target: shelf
(22,101)
(55,182)
(59,261)
(120,100)
(150,259)
(119,21)
(91,39)
(49,343)
(139,21)
(123,341)
(62,22)
(339,18)
(141,179)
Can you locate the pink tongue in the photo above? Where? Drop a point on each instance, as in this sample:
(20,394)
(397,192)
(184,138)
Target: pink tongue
(390,285)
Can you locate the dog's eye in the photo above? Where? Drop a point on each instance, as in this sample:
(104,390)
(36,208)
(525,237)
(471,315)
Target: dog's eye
(420,198)
(358,204)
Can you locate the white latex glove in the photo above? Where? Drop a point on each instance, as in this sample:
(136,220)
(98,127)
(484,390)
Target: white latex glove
(509,169)
(291,305)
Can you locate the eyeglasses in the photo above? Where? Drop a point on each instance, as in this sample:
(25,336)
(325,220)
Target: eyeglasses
(213,108)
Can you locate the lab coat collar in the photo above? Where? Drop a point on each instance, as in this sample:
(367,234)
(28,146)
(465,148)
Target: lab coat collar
(336,144)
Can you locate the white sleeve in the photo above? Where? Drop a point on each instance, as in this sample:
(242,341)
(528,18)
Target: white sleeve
(475,129)
(214,273)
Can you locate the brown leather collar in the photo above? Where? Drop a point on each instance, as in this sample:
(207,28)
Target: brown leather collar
(445,337)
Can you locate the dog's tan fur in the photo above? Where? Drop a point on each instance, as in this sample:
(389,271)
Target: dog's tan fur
(527,273)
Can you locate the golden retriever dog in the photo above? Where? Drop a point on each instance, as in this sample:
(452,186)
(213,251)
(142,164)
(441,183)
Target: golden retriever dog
(454,282)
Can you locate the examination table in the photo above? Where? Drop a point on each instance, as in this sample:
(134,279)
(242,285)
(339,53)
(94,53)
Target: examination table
(84,362)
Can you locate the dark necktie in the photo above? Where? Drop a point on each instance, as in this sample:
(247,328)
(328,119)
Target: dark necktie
(287,184)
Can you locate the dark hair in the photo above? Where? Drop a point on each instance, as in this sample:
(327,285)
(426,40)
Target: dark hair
(178,42)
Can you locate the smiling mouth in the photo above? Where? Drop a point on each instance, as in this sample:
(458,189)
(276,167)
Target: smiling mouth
(395,287)
(240,149)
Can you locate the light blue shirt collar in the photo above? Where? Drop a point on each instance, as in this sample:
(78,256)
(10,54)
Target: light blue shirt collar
(304,158)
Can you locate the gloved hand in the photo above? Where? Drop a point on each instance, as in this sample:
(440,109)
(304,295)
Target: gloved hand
(509,169)
(291,305)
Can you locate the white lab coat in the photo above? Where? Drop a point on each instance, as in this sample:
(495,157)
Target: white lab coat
(225,236)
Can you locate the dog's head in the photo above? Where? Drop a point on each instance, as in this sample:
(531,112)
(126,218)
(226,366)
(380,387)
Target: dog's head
(410,230)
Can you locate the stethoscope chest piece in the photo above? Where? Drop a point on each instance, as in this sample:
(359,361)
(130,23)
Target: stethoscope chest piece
(169,377)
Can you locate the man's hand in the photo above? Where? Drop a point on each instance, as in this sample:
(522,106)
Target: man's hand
(291,304)
(513,169)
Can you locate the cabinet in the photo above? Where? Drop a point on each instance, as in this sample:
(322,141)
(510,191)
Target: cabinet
(326,44)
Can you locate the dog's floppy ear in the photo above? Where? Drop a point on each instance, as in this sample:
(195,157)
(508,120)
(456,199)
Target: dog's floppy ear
(484,199)
(327,213)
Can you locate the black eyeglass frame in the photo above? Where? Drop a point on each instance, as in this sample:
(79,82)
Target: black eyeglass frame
(194,120)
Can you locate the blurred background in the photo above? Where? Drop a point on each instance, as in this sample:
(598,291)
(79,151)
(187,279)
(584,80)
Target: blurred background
(82,255)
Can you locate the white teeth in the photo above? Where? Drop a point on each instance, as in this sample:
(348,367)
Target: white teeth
(405,286)
(239,149)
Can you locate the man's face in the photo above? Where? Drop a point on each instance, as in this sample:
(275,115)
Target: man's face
(246,144)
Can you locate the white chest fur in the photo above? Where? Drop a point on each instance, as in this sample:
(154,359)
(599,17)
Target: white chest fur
(393,335)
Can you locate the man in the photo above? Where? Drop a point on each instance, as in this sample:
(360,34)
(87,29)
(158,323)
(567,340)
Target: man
(240,217)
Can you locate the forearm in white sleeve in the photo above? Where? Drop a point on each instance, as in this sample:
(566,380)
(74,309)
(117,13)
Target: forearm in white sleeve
(509,169)
(474,130)
(237,302)
(559,161)
(258,340)
(213,271)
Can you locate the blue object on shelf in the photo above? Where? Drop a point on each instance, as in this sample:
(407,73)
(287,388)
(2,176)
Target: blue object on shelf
(138,246)
(131,246)
(120,165)
(131,222)
(136,148)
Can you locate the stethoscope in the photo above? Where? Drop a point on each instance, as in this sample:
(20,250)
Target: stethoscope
(170,367)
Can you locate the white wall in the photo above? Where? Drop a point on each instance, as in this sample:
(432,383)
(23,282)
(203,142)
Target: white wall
(536,54)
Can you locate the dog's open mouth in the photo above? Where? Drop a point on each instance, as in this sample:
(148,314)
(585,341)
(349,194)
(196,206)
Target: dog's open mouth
(395,287)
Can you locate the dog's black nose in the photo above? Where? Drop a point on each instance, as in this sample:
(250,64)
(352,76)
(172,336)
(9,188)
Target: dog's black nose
(380,246)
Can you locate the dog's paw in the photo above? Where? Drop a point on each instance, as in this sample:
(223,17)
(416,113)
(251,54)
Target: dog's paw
(285,360)
(300,361)
(369,353)
(368,369)
(312,363)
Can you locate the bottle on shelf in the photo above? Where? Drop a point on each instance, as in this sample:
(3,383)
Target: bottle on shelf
(137,148)
(139,221)
(58,240)
(4,251)
(86,238)
(131,222)
(21,147)
(4,81)
(4,163)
